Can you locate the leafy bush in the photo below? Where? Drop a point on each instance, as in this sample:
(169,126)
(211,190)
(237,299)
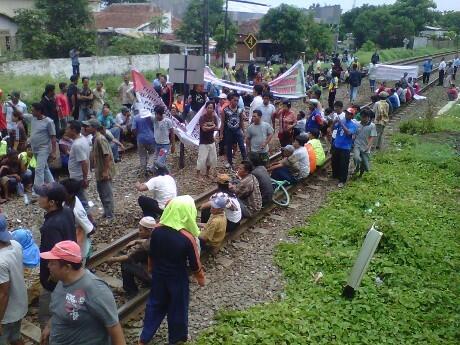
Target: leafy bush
(133,46)
(418,126)
(368,46)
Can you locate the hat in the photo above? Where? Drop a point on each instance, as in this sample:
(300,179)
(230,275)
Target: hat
(148,222)
(223,96)
(383,94)
(351,111)
(321,78)
(53,191)
(124,109)
(218,201)
(223,178)
(15,94)
(30,251)
(289,148)
(5,235)
(313,101)
(91,123)
(66,250)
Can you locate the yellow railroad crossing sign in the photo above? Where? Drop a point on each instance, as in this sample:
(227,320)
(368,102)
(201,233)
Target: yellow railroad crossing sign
(250,41)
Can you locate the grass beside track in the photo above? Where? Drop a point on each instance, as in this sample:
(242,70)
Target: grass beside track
(412,194)
(392,54)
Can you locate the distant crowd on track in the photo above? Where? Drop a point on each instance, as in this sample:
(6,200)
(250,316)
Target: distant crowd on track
(75,133)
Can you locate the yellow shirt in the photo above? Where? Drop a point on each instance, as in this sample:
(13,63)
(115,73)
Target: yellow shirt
(29,162)
(214,230)
(319,151)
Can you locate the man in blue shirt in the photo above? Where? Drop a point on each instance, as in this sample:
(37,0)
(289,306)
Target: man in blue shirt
(342,146)
(427,69)
(143,130)
(456,65)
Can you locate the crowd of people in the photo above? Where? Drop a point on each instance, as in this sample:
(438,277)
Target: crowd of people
(77,128)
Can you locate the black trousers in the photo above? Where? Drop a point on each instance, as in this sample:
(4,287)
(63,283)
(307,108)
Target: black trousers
(331,98)
(206,214)
(426,77)
(340,161)
(441,77)
(455,71)
(149,207)
(131,270)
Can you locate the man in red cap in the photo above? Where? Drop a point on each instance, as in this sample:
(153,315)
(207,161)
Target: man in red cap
(346,129)
(82,306)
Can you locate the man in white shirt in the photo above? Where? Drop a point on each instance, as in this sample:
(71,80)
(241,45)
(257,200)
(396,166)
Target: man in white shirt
(257,101)
(267,109)
(163,188)
(9,107)
(442,71)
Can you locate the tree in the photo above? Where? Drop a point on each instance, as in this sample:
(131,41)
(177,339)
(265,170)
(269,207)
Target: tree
(60,24)
(159,23)
(420,12)
(319,38)
(286,26)
(450,21)
(219,37)
(191,28)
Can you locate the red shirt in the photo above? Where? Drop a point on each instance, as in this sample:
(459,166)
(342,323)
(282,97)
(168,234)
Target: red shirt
(63,105)
(2,118)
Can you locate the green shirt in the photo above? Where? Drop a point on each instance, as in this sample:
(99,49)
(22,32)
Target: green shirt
(101,147)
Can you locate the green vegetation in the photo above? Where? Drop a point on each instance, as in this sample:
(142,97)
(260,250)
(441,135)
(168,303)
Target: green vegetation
(55,27)
(412,194)
(291,29)
(133,46)
(433,124)
(392,54)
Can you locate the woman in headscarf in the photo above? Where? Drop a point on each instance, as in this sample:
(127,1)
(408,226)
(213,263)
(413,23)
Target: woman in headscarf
(173,251)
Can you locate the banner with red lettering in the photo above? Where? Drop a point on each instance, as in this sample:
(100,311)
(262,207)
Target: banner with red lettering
(148,99)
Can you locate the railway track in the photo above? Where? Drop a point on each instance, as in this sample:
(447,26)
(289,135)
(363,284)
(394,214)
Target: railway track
(136,305)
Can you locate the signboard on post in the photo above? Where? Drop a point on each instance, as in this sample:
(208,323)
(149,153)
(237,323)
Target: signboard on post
(250,41)
(186,69)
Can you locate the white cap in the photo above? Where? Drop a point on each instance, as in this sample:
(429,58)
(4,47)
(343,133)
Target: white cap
(223,96)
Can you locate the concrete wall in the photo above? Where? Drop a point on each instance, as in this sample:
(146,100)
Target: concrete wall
(89,66)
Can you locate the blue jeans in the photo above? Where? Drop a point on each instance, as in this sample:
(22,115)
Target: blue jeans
(353,93)
(283,174)
(27,177)
(372,85)
(42,171)
(76,69)
(116,132)
(161,158)
(169,296)
(115,153)
(83,114)
(234,137)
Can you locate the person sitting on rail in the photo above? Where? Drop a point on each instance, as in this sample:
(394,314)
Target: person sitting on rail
(134,264)
(401,93)
(247,190)
(452,93)
(382,87)
(213,232)
(295,166)
(301,123)
(83,309)
(263,177)
(163,188)
(315,143)
(394,99)
(233,208)
(315,120)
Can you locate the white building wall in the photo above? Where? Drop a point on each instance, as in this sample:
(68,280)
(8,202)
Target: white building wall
(89,66)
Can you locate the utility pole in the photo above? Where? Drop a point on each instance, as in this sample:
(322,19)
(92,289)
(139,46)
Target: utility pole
(224,56)
(206,31)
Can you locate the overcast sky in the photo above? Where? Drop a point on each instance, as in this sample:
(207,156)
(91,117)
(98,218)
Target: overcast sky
(443,5)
